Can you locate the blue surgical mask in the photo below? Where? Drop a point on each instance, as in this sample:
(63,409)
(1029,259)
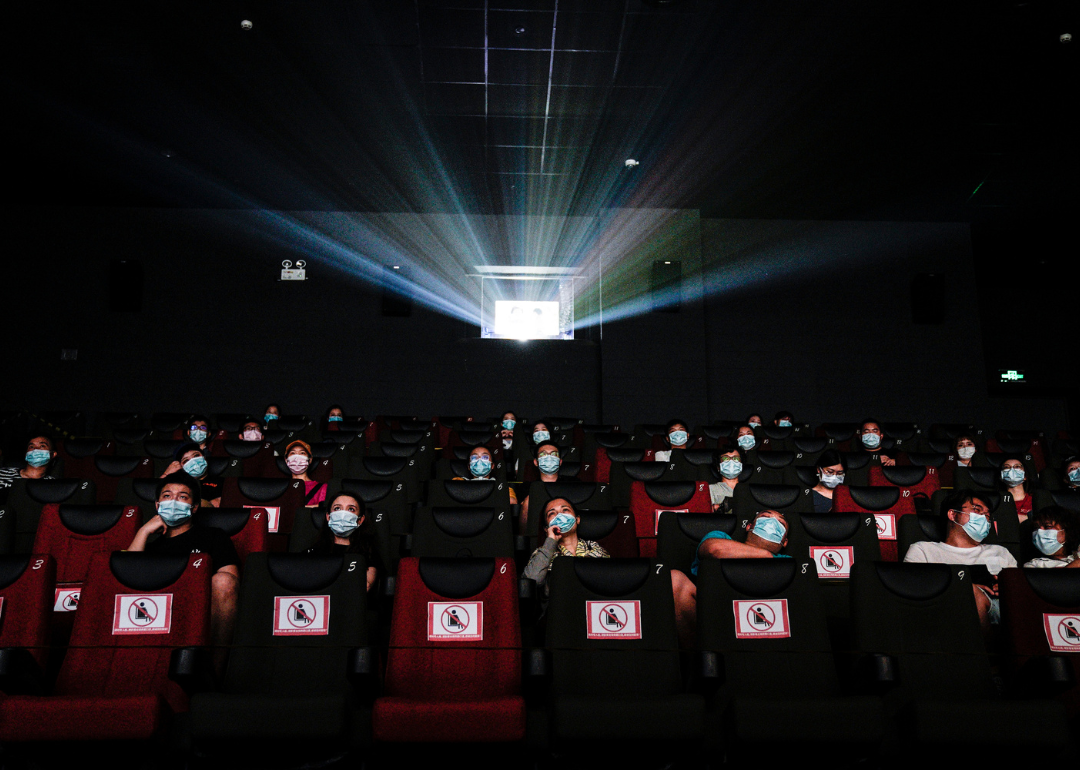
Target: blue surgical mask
(754,424)
(541,435)
(37,458)
(549,463)
(195,467)
(269,416)
(678,437)
(564,521)
(747,442)
(173,512)
(509,424)
(784,423)
(768,528)
(1046,540)
(336,418)
(1074,476)
(831,480)
(343,523)
(977,527)
(871,440)
(480,465)
(1013,477)
(198,435)
(730,469)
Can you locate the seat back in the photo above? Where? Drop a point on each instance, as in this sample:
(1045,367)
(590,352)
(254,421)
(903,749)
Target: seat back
(648,499)
(73,534)
(26,595)
(774,467)
(468,494)
(681,533)
(460,532)
(107,470)
(256,457)
(280,497)
(749,499)
(402,470)
(27,498)
(248,528)
(887,504)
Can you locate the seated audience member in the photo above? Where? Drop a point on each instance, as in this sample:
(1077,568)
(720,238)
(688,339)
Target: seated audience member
(729,465)
(349,531)
(40,453)
(784,419)
(190,459)
(199,432)
(251,430)
(480,468)
(964,450)
(271,413)
(1013,481)
(830,474)
(334,417)
(676,438)
(298,460)
(766,537)
(178,498)
(754,421)
(870,437)
(506,434)
(540,432)
(745,438)
(1057,537)
(969,524)
(548,463)
(1070,472)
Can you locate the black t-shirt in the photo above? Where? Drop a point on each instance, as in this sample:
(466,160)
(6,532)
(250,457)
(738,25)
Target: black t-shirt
(209,540)
(325,546)
(211,487)
(822,504)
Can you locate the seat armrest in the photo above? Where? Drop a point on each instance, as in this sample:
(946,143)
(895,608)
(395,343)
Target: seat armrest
(876,673)
(536,672)
(20,673)
(362,672)
(193,669)
(1043,676)
(708,671)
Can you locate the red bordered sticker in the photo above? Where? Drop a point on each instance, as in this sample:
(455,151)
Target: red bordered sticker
(1062,632)
(833,561)
(66,597)
(656,528)
(886,526)
(142,614)
(766,619)
(455,621)
(613,620)
(308,615)
(273,514)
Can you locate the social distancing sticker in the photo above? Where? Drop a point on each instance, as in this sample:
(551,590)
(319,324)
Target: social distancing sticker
(833,561)
(1,607)
(656,528)
(301,615)
(142,614)
(66,597)
(455,621)
(614,620)
(886,526)
(273,514)
(1062,632)
(766,619)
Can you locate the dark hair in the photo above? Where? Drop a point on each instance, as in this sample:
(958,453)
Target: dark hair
(545,423)
(999,483)
(970,437)
(249,420)
(360,540)
(543,444)
(267,409)
(672,423)
(736,449)
(1065,467)
(542,518)
(506,412)
(180,477)
(874,420)
(184,448)
(830,457)
(329,409)
(955,501)
(784,414)
(1069,521)
(752,414)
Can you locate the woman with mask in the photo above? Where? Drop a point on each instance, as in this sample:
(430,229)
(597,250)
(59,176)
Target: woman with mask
(745,439)
(964,450)
(507,423)
(729,466)
(271,413)
(540,432)
(677,437)
(754,421)
(1070,472)
(830,474)
(1057,537)
(349,531)
(1013,481)
(333,418)
(298,460)
(191,459)
(40,454)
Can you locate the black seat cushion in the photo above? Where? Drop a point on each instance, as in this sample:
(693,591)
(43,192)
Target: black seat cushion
(917,582)
(612,577)
(303,572)
(457,578)
(147,571)
(90,519)
(463,522)
(759,577)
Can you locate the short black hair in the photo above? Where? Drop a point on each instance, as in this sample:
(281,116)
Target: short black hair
(181,478)
(784,414)
(184,448)
(548,442)
(1069,521)
(956,500)
(830,457)
(727,451)
(672,423)
(198,418)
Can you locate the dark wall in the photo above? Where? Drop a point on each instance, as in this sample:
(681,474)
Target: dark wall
(814,317)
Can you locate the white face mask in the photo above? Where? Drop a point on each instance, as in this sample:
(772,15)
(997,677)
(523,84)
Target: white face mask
(252,435)
(966,452)
(297,463)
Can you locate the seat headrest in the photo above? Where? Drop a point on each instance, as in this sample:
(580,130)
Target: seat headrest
(611,440)
(625,454)
(340,437)
(278,435)
(594,427)
(699,456)
(475,437)
(926,459)
(806,475)
(470,492)
(697,525)
(840,431)
(111,465)
(385,466)
(244,450)
(855,461)
(933,527)
(324,450)
(230,520)
(670,493)
(130,436)
(406,436)
(577,492)
(369,491)
(412,424)
(613,577)
(262,490)
(303,572)
(463,522)
(83,447)
(899,430)
(162,449)
(292,422)
(147,571)
(776,459)
(390,449)
(758,577)
(460,467)
(594,525)
(1060,587)
(903,475)
(811,445)
(776,432)
(984,477)
(644,471)
(718,431)
(561,424)
(218,465)
(457,578)
(120,418)
(1014,446)
(875,498)
(774,495)
(12,568)
(1066,498)
(916,582)
(90,519)
(145,489)
(994,458)
(52,490)
(831,527)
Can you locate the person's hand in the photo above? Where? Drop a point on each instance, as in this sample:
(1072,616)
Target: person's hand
(555,533)
(174,467)
(506,433)
(156,524)
(888,461)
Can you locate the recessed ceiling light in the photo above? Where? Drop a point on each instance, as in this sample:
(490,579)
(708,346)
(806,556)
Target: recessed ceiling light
(246,25)
(397,267)
(519,30)
(631,163)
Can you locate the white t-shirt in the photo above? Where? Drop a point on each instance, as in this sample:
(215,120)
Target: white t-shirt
(995,557)
(719,492)
(1049,561)
(663,456)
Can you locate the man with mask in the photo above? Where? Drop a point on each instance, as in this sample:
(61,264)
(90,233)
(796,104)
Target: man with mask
(191,459)
(251,430)
(548,463)
(677,436)
(198,432)
(178,497)
(722,493)
(968,516)
(766,537)
(870,437)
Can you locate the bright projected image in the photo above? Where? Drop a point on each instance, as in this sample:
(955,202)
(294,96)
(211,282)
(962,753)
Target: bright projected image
(526,320)
(527,308)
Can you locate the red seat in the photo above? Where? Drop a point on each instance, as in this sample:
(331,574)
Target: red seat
(454,667)
(26,590)
(248,528)
(649,498)
(107,470)
(280,497)
(913,480)
(886,504)
(77,455)
(113,685)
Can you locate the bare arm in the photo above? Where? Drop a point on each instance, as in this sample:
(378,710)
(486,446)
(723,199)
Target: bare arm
(718,548)
(154,525)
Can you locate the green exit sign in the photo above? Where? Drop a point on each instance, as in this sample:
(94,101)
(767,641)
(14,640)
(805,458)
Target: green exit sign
(1011,375)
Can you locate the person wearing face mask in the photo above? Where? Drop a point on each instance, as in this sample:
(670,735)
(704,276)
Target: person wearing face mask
(784,419)
(506,434)
(548,462)
(1056,536)
(251,430)
(722,493)
(298,461)
(348,530)
(560,522)
(969,523)
(745,439)
(198,432)
(40,454)
(481,466)
(540,432)
(334,418)
(177,504)
(271,413)
(1012,481)
(754,421)
(830,473)
(1070,472)
(190,459)
(766,537)
(964,450)
(870,438)
(677,436)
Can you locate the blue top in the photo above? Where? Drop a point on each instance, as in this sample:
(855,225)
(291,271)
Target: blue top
(720,535)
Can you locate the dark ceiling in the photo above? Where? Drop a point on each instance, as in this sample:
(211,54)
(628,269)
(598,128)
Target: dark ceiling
(831,109)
